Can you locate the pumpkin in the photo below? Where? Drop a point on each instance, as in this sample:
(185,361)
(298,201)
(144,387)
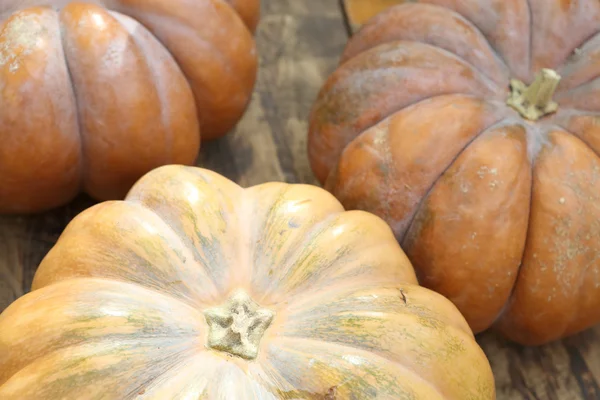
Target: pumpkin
(472,129)
(193,287)
(360,11)
(95,94)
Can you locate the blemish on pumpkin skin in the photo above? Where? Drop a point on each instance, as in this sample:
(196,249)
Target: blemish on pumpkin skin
(403,296)
(331,393)
(20,39)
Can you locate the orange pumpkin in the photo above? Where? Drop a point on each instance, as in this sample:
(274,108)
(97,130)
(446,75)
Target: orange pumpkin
(95,94)
(196,288)
(472,128)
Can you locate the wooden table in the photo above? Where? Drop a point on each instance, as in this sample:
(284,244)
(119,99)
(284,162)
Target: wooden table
(299,44)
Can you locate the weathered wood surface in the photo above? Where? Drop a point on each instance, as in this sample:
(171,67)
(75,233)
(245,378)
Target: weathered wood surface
(299,43)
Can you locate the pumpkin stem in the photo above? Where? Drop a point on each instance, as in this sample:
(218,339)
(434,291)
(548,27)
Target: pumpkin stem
(534,101)
(237,326)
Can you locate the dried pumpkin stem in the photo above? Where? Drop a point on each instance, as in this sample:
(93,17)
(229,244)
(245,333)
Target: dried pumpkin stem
(237,326)
(534,101)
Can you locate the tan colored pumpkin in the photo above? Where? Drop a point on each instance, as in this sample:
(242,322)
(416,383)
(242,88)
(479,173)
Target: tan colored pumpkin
(196,288)
(472,128)
(95,94)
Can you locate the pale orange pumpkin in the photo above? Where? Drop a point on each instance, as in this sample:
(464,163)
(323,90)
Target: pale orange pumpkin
(472,128)
(95,94)
(196,288)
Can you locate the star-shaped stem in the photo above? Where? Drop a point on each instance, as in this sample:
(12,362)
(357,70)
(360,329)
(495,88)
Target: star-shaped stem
(237,326)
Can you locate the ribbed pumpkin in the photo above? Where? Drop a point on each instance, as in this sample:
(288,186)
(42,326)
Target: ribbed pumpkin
(472,128)
(196,288)
(94,94)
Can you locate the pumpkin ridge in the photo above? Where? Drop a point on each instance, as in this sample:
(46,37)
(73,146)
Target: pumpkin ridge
(157,17)
(274,377)
(347,79)
(375,356)
(342,300)
(502,310)
(349,52)
(71,372)
(51,292)
(199,241)
(575,314)
(569,69)
(574,89)
(294,254)
(513,326)
(83,159)
(39,172)
(403,237)
(575,112)
(340,288)
(191,301)
(157,82)
(530,38)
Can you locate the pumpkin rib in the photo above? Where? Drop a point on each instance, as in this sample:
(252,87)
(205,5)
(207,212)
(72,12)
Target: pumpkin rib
(291,259)
(134,393)
(583,98)
(501,312)
(78,287)
(563,26)
(202,246)
(49,271)
(500,123)
(377,358)
(563,321)
(496,20)
(117,123)
(281,219)
(83,161)
(350,88)
(563,121)
(159,86)
(585,59)
(238,74)
(574,316)
(385,117)
(361,41)
(339,289)
(322,283)
(351,297)
(38,172)
(272,373)
(529,61)
(368,177)
(570,132)
(59,363)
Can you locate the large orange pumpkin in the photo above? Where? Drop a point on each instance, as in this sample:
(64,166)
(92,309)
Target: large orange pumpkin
(472,128)
(94,94)
(196,288)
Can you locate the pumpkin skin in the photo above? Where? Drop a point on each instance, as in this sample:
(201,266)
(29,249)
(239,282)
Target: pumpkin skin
(118,305)
(134,85)
(496,209)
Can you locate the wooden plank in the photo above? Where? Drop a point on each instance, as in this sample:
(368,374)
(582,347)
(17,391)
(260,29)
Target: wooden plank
(359,11)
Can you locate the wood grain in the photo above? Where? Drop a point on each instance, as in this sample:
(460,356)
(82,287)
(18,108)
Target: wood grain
(299,44)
